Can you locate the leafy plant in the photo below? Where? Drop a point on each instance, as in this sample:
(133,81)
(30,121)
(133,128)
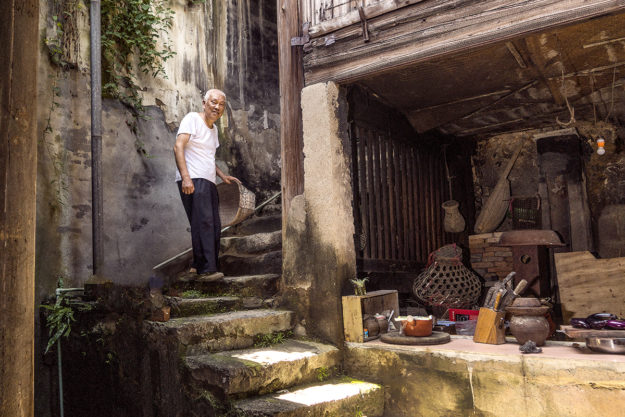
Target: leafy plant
(269,339)
(323,373)
(61,316)
(133,28)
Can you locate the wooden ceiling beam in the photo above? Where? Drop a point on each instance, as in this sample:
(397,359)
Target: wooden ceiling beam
(432,29)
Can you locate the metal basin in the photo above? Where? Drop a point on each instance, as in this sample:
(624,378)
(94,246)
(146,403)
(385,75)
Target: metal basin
(606,344)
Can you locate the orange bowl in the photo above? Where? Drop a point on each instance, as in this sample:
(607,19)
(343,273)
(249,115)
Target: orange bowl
(418,326)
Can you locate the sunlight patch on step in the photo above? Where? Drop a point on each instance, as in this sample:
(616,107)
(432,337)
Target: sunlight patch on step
(268,357)
(325,393)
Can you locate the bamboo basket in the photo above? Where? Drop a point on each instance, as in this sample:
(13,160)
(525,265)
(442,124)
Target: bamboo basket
(236,203)
(496,206)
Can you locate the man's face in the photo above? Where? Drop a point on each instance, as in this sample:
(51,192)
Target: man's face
(214,106)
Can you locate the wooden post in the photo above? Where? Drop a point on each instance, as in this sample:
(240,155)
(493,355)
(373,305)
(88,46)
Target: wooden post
(18,175)
(291,84)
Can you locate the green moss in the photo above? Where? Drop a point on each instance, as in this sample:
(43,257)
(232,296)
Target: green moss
(266,340)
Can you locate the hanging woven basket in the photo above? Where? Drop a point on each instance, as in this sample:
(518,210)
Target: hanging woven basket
(236,203)
(446,281)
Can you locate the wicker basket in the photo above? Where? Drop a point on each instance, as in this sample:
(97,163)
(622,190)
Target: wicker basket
(236,203)
(446,281)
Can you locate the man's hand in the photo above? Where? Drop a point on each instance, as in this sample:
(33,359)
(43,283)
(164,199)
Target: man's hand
(187,186)
(228,179)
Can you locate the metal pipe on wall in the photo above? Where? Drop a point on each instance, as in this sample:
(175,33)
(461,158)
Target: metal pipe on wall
(96,138)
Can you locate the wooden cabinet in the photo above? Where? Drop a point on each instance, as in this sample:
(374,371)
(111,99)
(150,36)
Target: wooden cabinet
(354,306)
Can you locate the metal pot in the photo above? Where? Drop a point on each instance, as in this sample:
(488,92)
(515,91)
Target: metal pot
(606,344)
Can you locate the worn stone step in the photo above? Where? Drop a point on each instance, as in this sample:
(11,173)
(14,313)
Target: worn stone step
(252,244)
(226,331)
(260,224)
(264,370)
(266,263)
(342,397)
(263,286)
(184,307)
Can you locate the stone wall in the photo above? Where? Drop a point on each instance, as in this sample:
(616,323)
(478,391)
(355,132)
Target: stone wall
(493,381)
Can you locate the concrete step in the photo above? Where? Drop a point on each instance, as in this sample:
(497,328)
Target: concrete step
(264,370)
(252,244)
(185,307)
(342,397)
(266,263)
(226,331)
(263,286)
(261,224)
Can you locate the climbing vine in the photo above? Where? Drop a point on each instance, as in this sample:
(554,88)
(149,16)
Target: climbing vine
(134,40)
(133,28)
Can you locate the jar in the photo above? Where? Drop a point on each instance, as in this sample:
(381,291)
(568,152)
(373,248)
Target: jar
(453,221)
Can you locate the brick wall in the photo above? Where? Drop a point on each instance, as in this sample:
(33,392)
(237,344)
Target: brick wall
(488,259)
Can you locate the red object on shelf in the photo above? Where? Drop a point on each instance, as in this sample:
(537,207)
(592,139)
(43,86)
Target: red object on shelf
(457,314)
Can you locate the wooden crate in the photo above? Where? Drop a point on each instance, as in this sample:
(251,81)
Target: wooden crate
(354,306)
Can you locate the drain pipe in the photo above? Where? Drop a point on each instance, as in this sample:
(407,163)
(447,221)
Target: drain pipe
(59,358)
(96,138)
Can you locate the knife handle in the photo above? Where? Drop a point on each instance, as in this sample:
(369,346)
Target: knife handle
(497,301)
(520,287)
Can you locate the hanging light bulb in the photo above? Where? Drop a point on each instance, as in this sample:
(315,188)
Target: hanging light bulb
(600,146)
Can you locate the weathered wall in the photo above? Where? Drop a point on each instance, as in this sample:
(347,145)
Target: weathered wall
(440,382)
(604,176)
(227,44)
(319,254)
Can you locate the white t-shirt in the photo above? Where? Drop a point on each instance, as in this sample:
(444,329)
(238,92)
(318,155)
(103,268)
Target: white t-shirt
(199,152)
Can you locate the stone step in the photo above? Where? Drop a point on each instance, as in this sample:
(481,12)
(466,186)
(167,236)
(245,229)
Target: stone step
(260,224)
(265,370)
(252,244)
(226,331)
(262,286)
(185,307)
(342,397)
(266,263)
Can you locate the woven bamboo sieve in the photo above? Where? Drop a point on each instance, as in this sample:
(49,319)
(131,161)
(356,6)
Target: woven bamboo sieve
(236,203)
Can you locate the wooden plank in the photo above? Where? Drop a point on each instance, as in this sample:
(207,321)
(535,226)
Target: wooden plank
(372,239)
(589,285)
(291,84)
(355,169)
(398,201)
(384,300)
(387,265)
(377,191)
(362,186)
(438,28)
(409,197)
(385,203)
(352,319)
(391,196)
(421,207)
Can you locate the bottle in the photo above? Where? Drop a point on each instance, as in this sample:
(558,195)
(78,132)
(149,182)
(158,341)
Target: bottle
(366,333)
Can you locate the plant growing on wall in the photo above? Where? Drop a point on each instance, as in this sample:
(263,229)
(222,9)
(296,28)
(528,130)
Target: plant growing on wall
(133,28)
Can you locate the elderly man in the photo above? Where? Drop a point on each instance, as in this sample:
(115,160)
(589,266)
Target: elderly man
(196,143)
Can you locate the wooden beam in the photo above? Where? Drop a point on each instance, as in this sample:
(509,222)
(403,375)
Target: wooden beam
(353,17)
(438,28)
(291,83)
(18,176)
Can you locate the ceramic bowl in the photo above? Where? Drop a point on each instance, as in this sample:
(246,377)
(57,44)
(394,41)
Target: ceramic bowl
(417,326)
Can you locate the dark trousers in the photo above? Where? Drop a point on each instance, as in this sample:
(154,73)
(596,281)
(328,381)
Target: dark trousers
(202,208)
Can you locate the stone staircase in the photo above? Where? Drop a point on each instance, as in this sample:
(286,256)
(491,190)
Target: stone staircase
(235,346)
